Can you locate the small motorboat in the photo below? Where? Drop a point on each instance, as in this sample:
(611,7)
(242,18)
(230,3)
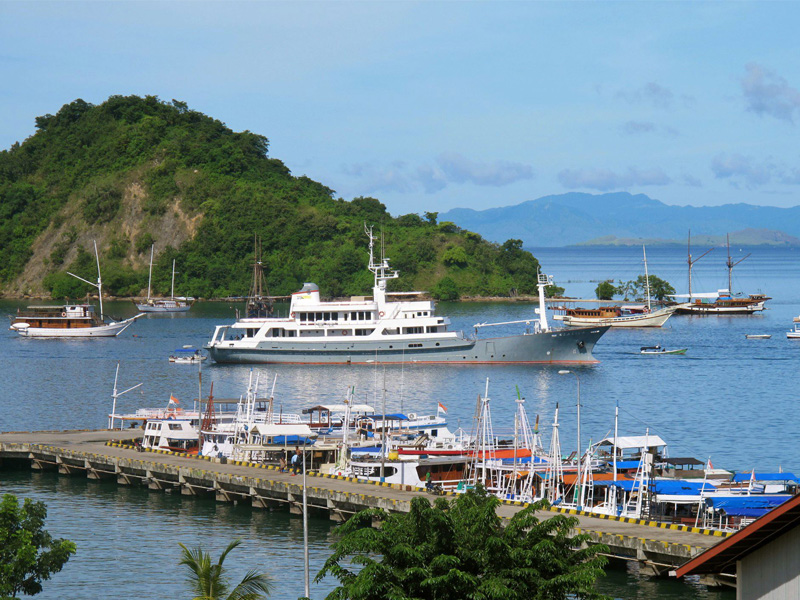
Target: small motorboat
(660,350)
(794,334)
(187,356)
(757,336)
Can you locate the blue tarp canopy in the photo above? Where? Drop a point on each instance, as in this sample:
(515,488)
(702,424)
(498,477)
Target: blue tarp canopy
(666,487)
(366,450)
(746,506)
(394,416)
(190,350)
(739,477)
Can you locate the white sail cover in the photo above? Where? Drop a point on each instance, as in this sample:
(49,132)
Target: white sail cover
(276,429)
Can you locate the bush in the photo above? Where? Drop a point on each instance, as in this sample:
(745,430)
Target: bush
(446,289)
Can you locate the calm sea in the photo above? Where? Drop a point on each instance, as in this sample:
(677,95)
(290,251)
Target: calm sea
(729,399)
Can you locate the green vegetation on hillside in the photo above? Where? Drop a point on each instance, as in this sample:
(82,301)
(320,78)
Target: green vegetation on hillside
(87,160)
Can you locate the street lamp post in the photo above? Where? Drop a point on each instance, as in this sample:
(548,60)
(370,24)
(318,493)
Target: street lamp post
(578,481)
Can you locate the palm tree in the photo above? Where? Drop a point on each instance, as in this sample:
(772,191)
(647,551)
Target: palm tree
(210,583)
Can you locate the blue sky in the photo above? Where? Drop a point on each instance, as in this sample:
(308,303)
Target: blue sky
(436,105)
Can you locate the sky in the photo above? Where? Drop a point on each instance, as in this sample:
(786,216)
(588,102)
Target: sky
(430,106)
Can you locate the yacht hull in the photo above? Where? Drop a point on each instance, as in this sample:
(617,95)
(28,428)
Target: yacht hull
(147,308)
(653,319)
(562,346)
(108,330)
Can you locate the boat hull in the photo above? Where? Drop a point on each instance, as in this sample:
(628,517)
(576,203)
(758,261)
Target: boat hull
(653,319)
(561,346)
(108,330)
(711,309)
(146,308)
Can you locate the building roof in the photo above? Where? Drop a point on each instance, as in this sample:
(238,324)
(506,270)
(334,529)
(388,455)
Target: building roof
(722,557)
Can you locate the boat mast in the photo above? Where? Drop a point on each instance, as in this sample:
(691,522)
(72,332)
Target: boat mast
(646,278)
(150,277)
(172,293)
(99,284)
(730,265)
(691,262)
(544,281)
(380,270)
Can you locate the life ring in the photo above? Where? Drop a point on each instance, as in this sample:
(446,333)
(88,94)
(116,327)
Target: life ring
(63,314)
(170,417)
(344,332)
(292,315)
(381,314)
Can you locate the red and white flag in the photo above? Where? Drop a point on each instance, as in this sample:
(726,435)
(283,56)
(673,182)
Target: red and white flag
(441,408)
(173,399)
(709,466)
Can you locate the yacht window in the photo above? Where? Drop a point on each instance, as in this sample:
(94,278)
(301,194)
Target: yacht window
(432,329)
(415,345)
(364,331)
(413,329)
(174,426)
(291,333)
(250,333)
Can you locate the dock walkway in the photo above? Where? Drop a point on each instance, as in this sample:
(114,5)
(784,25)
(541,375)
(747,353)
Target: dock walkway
(102,455)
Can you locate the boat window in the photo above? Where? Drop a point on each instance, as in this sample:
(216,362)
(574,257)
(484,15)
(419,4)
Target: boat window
(432,329)
(174,426)
(250,333)
(364,331)
(413,329)
(415,345)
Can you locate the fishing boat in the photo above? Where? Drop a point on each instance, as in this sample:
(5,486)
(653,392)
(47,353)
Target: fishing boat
(794,333)
(660,350)
(69,320)
(163,305)
(187,356)
(721,302)
(757,336)
(365,330)
(618,316)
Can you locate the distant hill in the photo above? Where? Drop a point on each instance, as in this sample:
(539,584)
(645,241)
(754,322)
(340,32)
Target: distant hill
(746,237)
(135,171)
(620,218)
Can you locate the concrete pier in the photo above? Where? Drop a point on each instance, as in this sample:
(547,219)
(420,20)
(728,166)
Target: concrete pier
(103,454)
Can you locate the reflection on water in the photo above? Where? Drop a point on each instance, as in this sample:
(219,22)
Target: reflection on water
(702,404)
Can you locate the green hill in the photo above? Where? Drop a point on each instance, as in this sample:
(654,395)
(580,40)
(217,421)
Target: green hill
(135,171)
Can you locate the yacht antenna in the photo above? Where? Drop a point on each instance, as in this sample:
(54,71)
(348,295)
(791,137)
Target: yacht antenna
(646,278)
(731,264)
(691,262)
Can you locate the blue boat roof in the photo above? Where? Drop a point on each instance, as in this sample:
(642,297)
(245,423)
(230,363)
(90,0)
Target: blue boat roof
(524,460)
(667,487)
(397,416)
(293,440)
(739,477)
(186,350)
(746,506)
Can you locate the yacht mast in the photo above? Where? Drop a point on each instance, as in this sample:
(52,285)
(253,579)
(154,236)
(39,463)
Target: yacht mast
(731,264)
(646,278)
(150,277)
(691,262)
(172,293)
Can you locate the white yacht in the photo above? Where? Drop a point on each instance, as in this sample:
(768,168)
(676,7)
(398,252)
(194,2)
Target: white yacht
(379,329)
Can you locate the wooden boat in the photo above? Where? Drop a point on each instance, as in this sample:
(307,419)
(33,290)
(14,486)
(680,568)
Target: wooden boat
(757,336)
(70,320)
(660,350)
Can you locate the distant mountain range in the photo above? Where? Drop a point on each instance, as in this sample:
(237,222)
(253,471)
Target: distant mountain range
(621,218)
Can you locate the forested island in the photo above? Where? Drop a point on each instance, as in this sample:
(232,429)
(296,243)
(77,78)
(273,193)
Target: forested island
(132,172)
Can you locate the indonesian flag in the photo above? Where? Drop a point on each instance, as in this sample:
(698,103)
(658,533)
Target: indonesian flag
(441,408)
(173,399)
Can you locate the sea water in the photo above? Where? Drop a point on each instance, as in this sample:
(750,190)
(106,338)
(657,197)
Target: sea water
(729,399)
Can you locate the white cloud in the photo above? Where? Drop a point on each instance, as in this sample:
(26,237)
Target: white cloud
(767,93)
(605,180)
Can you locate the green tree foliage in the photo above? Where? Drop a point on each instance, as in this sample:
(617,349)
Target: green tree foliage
(605,290)
(210,582)
(86,157)
(659,288)
(446,289)
(554,291)
(28,554)
(460,549)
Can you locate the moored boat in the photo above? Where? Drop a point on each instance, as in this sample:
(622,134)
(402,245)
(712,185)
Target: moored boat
(367,330)
(69,320)
(163,305)
(794,333)
(187,356)
(757,336)
(659,350)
